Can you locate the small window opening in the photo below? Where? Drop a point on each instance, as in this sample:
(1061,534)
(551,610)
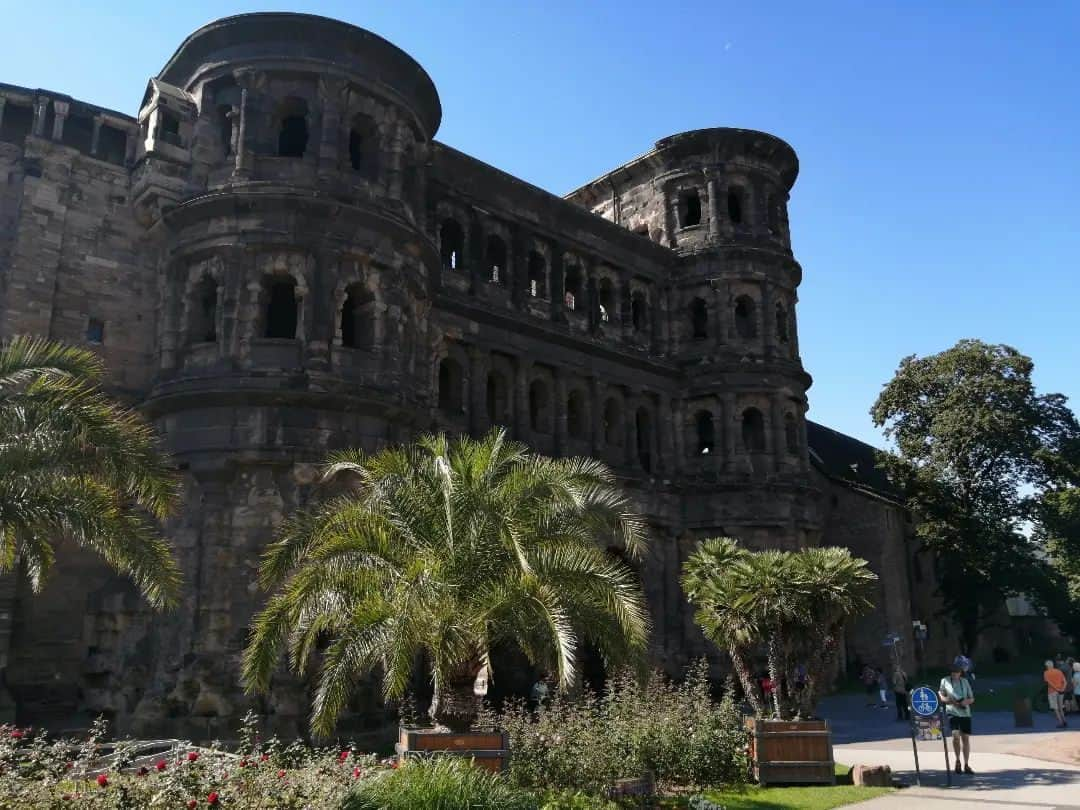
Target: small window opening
(539,407)
(753,431)
(496,398)
(735,205)
(16,123)
(95,331)
(451,244)
(293,128)
(613,433)
(573,287)
(357,326)
(281,309)
(690,208)
(537,275)
(606,292)
(644,439)
(639,311)
(782,333)
(496,260)
(225,128)
(168,127)
(112,145)
(706,433)
(79,132)
(363,146)
(699,319)
(575,415)
(745,317)
(791,434)
(204,312)
(451,386)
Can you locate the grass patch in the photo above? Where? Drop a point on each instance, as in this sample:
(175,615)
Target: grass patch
(794,798)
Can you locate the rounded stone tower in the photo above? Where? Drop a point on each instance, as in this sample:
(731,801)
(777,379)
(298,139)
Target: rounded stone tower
(718,198)
(281,167)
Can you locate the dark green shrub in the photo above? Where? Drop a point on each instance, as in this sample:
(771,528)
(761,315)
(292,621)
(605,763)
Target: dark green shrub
(676,731)
(441,783)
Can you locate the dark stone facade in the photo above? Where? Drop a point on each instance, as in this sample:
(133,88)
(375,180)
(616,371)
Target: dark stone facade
(276,259)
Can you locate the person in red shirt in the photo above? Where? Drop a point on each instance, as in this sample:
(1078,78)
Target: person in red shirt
(1055,691)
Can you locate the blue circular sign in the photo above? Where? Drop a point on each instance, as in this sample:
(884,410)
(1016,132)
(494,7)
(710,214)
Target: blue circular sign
(924,701)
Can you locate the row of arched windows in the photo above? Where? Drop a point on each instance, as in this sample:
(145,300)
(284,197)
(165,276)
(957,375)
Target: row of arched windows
(752,432)
(745,317)
(735,209)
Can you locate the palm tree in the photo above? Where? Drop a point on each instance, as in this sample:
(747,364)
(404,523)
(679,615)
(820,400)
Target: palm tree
(710,585)
(440,551)
(76,465)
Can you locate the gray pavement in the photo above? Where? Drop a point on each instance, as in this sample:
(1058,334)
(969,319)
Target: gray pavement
(1014,768)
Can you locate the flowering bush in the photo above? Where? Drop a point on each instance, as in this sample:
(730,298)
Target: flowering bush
(441,783)
(676,731)
(50,774)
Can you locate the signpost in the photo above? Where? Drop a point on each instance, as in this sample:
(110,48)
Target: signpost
(928,723)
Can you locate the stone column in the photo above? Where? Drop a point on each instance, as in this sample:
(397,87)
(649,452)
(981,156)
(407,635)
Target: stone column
(804,444)
(478,415)
(768,318)
(330,95)
(131,143)
(518,272)
(729,426)
(630,402)
(557,286)
(474,248)
(793,329)
(596,412)
(714,204)
(666,427)
(678,416)
(725,319)
(394,169)
(626,305)
(779,436)
(245,79)
(3,101)
(96,137)
(60,108)
(521,399)
(558,410)
(41,108)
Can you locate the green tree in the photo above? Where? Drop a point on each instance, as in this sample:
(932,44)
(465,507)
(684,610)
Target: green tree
(439,551)
(76,465)
(970,431)
(793,603)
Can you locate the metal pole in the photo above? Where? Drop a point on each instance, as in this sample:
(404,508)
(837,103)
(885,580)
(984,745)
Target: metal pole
(945,742)
(915,746)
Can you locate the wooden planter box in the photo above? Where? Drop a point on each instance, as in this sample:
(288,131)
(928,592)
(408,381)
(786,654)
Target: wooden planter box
(786,752)
(488,749)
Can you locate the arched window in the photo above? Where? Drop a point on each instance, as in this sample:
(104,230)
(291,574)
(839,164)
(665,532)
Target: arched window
(753,431)
(281,308)
(791,433)
(225,128)
(606,292)
(451,244)
(613,429)
(699,319)
(735,199)
(537,275)
(643,423)
(451,386)
(539,407)
(575,415)
(689,208)
(357,329)
(364,146)
(572,287)
(496,260)
(706,433)
(639,311)
(496,398)
(745,317)
(203,312)
(292,128)
(782,333)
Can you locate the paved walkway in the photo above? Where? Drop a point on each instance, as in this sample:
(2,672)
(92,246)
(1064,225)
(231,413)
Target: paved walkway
(1015,768)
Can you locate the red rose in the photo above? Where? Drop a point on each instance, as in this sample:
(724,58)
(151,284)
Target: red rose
(212,798)
(192,804)
(356,772)
(102,780)
(243,763)
(70,765)
(192,756)
(281,774)
(344,755)
(394,764)
(16,735)
(264,757)
(161,765)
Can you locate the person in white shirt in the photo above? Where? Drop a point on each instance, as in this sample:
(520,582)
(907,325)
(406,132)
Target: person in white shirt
(957,695)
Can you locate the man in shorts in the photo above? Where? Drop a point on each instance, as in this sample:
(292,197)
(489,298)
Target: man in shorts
(956,693)
(1055,691)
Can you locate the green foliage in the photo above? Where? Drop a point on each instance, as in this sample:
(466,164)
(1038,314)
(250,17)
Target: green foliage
(440,551)
(440,783)
(796,603)
(972,435)
(76,465)
(676,731)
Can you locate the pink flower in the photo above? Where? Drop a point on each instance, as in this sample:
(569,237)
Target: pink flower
(16,735)
(102,780)
(243,763)
(356,772)
(212,798)
(344,755)
(192,804)
(281,774)
(192,756)
(161,765)
(264,757)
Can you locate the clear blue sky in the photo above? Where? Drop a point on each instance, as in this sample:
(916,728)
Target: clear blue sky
(939,142)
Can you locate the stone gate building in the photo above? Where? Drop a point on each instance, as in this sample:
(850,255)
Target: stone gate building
(276,258)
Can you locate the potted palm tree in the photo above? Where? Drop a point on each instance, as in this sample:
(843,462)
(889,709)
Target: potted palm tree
(794,604)
(437,552)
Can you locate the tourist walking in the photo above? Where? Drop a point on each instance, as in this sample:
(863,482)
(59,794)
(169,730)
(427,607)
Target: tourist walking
(956,693)
(1055,691)
(869,679)
(882,687)
(900,694)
